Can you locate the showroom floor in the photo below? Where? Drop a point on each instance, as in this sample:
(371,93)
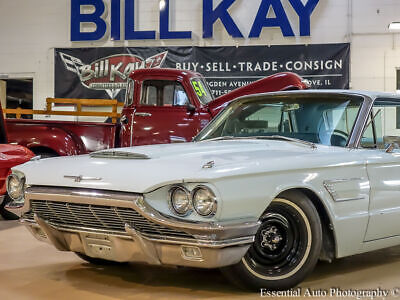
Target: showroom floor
(33,270)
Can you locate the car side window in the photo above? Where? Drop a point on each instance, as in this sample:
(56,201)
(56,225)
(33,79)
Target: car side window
(163,93)
(382,130)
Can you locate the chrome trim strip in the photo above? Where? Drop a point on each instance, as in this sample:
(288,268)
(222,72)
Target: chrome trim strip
(79,178)
(209,230)
(349,199)
(333,181)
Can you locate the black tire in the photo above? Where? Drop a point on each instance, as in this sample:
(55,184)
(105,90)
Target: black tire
(286,247)
(98,261)
(5,213)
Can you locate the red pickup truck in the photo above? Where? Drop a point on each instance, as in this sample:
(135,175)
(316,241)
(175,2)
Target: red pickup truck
(161,106)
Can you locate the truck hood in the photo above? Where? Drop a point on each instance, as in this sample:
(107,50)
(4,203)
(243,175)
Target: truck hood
(277,82)
(145,168)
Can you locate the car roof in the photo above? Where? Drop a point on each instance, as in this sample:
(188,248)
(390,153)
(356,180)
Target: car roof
(370,94)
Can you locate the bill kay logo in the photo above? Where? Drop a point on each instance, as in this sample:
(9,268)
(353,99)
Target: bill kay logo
(110,73)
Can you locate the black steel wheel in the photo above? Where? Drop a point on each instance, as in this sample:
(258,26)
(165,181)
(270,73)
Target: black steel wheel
(286,246)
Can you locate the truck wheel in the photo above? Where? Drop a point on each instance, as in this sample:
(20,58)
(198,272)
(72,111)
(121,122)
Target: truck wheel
(286,247)
(98,261)
(5,213)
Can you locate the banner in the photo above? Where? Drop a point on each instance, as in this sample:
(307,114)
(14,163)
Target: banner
(102,72)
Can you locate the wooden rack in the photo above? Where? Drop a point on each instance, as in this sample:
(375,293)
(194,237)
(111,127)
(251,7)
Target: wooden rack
(78,103)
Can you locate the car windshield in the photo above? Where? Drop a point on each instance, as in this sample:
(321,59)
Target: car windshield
(202,90)
(326,119)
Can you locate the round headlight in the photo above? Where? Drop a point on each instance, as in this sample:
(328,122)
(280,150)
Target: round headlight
(180,201)
(16,187)
(204,201)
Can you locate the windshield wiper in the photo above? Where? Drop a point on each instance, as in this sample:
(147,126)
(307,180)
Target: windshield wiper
(286,138)
(262,137)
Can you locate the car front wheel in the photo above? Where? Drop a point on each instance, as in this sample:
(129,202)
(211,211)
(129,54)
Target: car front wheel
(286,246)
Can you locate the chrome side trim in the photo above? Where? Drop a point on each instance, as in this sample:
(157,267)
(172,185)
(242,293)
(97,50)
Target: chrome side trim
(333,181)
(213,231)
(349,199)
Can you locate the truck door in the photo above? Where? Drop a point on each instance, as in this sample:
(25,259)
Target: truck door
(164,114)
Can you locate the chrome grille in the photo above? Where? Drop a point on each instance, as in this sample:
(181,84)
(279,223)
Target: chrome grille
(98,217)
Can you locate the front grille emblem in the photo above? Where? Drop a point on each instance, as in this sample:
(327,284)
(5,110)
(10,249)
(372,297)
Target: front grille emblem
(80,178)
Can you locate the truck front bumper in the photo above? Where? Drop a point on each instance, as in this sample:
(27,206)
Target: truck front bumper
(202,245)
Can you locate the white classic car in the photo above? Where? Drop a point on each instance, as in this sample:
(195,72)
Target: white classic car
(275,182)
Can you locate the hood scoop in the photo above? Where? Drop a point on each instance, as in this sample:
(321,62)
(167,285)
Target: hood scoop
(118,155)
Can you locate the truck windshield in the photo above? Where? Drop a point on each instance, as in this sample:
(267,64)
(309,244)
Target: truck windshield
(202,90)
(326,119)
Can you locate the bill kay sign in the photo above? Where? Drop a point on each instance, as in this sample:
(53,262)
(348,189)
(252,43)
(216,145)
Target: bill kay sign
(213,11)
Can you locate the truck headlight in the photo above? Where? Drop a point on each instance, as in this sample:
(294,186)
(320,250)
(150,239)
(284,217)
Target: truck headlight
(204,201)
(16,186)
(180,200)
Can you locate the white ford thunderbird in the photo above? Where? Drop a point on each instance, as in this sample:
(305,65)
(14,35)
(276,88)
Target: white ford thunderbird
(274,183)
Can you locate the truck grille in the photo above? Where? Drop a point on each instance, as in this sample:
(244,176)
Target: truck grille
(98,217)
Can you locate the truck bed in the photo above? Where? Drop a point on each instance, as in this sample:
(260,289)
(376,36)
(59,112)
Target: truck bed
(63,137)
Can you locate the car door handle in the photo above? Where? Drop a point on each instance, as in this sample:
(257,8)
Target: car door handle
(142,114)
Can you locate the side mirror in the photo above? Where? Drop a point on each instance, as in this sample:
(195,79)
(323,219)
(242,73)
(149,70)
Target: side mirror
(391,142)
(191,108)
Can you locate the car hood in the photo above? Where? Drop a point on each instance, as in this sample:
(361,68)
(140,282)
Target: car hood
(145,168)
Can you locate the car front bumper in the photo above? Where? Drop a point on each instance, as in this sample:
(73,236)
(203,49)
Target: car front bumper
(204,245)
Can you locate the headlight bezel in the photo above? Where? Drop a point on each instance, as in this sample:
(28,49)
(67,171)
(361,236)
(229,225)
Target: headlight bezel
(190,192)
(171,201)
(16,175)
(213,210)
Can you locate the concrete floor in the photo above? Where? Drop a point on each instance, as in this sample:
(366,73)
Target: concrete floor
(30,269)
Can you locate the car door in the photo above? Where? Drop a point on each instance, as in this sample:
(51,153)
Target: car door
(164,114)
(383,167)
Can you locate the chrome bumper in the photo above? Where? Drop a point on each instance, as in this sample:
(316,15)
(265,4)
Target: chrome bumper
(212,245)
